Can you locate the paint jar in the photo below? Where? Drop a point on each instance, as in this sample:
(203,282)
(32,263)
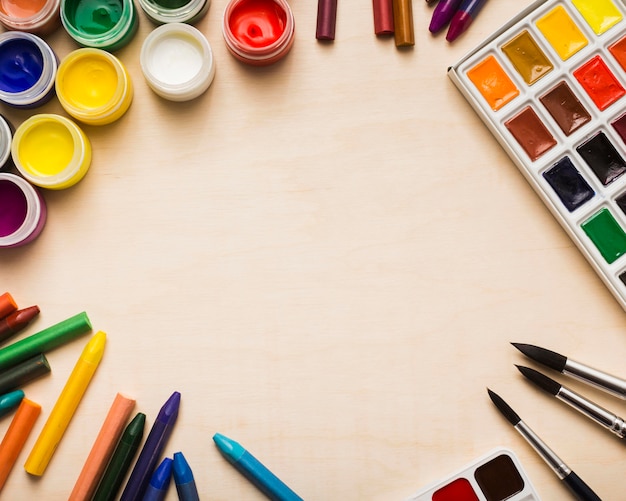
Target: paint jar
(175,11)
(177,62)
(28,67)
(258,32)
(34,16)
(51,151)
(102,24)
(22,211)
(6,136)
(93,86)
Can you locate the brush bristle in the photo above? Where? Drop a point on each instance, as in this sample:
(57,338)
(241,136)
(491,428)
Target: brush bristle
(548,358)
(541,380)
(504,408)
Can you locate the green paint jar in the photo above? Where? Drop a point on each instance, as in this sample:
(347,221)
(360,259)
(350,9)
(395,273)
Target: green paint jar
(101,24)
(175,11)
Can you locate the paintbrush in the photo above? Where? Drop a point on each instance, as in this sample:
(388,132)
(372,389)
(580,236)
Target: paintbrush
(601,416)
(594,377)
(580,489)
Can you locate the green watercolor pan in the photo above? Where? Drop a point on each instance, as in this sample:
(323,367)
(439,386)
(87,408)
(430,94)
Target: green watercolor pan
(551,87)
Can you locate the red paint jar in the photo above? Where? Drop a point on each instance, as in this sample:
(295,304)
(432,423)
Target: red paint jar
(258,32)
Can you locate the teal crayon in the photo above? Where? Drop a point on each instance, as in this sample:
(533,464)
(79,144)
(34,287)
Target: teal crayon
(183,478)
(45,340)
(251,468)
(10,401)
(121,459)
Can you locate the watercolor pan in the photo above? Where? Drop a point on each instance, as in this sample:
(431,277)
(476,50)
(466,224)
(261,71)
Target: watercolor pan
(496,476)
(550,85)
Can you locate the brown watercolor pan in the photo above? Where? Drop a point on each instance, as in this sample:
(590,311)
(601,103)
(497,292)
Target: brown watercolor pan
(551,87)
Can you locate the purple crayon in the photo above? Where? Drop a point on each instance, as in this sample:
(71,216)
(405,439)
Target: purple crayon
(443,13)
(463,18)
(152,449)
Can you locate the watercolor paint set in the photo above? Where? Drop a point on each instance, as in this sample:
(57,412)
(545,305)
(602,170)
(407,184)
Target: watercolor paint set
(551,86)
(496,476)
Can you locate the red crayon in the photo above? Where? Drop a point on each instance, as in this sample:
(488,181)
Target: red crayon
(7,305)
(16,321)
(383,17)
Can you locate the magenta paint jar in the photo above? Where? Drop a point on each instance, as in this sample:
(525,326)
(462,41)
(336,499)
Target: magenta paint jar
(22,211)
(258,32)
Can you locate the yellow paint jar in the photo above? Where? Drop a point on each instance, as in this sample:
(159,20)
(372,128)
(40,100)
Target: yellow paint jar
(51,151)
(93,86)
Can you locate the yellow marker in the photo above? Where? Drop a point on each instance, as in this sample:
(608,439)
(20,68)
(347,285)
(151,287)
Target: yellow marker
(601,15)
(65,406)
(562,32)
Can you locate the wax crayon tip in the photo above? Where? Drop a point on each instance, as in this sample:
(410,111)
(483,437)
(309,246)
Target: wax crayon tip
(94,349)
(443,13)
(21,318)
(162,475)
(459,24)
(231,449)
(10,400)
(182,471)
(170,408)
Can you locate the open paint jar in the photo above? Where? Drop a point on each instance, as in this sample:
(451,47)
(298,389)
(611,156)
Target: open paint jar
(103,24)
(93,86)
(22,211)
(33,16)
(177,62)
(6,136)
(258,32)
(51,151)
(28,68)
(175,11)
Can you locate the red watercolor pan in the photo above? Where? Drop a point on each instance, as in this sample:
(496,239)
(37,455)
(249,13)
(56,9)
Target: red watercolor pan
(496,476)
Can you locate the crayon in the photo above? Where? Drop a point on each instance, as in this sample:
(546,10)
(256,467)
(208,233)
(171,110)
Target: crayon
(45,340)
(7,305)
(326,19)
(66,405)
(443,13)
(383,17)
(10,401)
(159,482)
(121,460)
(404,34)
(16,321)
(251,468)
(24,372)
(152,449)
(463,18)
(15,437)
(183,478)
(102,448)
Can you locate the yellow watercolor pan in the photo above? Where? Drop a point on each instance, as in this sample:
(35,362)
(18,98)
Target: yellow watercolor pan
(562,32)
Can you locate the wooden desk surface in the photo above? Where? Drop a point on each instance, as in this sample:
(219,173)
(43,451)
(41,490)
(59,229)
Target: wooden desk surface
(328,258)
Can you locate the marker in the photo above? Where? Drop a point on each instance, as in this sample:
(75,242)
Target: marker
(16,321)
(66,405)
(7,305)
(9,401)
(102,448)
(580,489)
(15,437)
(606,382)
(152,449)
(24,372)
(463,17)
(183,477)
(121,459)
(159,482)
(442,14)
(45,340)
(251,468)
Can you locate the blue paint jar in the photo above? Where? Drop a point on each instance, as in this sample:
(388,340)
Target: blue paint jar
(28,67)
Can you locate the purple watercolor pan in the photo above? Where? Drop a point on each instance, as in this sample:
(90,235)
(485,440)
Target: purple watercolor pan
(22,211)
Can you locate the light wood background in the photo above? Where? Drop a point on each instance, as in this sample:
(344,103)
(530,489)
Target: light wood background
(328,258)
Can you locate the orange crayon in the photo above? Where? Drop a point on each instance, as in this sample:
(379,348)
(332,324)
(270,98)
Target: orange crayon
(15,437)
(7,305)
(103,447)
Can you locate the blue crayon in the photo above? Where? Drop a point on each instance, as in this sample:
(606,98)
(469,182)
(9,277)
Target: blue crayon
(10,401)
(251,468)
(159,482)
(183,477)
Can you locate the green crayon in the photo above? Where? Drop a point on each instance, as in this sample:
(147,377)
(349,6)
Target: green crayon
(120,461)
(44,340)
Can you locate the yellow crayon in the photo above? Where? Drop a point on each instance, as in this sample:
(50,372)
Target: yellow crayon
(66,405)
